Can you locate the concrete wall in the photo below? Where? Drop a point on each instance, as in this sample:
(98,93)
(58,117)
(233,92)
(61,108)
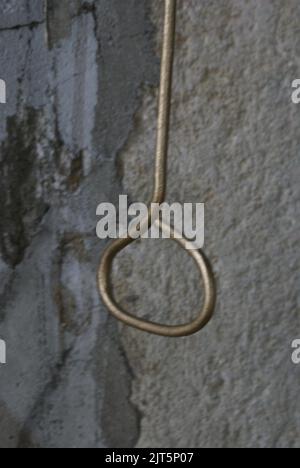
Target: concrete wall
(79,128)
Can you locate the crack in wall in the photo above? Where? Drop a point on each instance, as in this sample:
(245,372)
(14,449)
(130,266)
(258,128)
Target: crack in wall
(17,27)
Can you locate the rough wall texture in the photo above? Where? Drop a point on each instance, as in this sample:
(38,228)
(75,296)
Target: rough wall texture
(235,146)
(78,129)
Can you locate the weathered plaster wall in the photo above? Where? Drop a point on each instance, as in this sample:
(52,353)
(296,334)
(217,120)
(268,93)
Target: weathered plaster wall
(78,129)
(74,71)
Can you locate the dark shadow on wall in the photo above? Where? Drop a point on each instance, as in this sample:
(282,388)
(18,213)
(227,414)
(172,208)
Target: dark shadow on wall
(10,428)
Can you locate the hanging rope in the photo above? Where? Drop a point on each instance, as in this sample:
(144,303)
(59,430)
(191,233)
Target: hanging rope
(160,179)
